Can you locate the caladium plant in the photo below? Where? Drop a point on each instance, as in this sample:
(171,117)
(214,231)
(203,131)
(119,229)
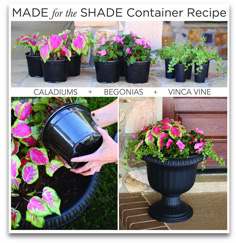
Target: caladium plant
(29,41)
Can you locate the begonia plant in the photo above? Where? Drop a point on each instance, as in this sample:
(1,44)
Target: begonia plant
(170,139)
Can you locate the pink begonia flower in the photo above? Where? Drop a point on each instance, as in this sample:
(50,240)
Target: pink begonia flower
(102,41)
(148,43)
(169,142)
(165,127)
(143,41)
(128,50)
(181,145)
(195,140)
(112,41)
(162,136)
(200,132)
(134,136)
(119,40)
(198,147)
(102,53)
(139,42)
(132,33)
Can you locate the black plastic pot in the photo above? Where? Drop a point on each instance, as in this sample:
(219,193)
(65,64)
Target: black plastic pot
(74,65)
(55,70)
(71,132)
(189,72)
(34,65)
(171,178)
(108,72)
(167,74)
(122,67)
(207,70)
(200,77)
(138,72)
(180,74)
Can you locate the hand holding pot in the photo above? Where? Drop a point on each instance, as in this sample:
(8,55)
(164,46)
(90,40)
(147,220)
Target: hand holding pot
(107,153)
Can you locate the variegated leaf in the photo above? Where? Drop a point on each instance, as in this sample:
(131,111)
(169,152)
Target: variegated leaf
(15,218)
(38,207)
(15,165)
(35,220)
(38,155)
(53,166)
(30,173)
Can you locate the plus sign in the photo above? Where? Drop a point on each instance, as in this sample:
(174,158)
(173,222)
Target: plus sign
(90,91)
(155,92)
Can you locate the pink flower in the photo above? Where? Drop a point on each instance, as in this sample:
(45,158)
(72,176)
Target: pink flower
(119,40)
(161,138)
(181,145)
(128,50)
(102,53)
(134,136)
(198,147)
(139,42)
(169,142)
(165,127)
(102,41)
(143,41)
(175,131)
(132,33)
(200,132)
(148,43)
(195,140)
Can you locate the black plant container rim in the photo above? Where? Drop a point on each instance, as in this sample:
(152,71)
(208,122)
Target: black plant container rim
(111,61)
(57,60)
(139,62)
(68,216)
(54,112)
(175,162)
(27,54)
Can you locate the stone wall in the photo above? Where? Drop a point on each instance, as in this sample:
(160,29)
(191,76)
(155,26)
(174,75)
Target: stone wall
(180,31)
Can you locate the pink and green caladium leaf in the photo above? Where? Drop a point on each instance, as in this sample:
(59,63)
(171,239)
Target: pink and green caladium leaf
(29,141)
(20,129)
(175,132)
(156,131)
(15,218)
(38,207)
(55,42)
(50,196)
(77,44)
(15,145)
(53,166)
(149,139)
(67,52)
(24,161)
(30,173)
(45,52)
(35,220)
(38,155)
(35,35)
(15,165)
(25,111)
(63,161)
(16,105)
(160,140)
(15,183)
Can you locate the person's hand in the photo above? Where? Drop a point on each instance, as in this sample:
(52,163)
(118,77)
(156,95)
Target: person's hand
(107,153)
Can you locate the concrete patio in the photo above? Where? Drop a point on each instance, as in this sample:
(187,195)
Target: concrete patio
(87,78)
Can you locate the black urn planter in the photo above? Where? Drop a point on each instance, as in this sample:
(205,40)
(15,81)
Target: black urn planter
(71,132)
(200,77)
(108,72)
(180,74)
(74,65)
(55,70)
(34,65)
(171,178)
(138,72)
(167,74)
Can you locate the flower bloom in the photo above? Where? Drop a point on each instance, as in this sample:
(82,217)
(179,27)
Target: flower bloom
(102,41)
(148,43)
(119,40)
(134,136)
(128,50)
(102,53)
(132,33)
(198,147)
(139,42)
(169,142)
(181,145)
(200,132)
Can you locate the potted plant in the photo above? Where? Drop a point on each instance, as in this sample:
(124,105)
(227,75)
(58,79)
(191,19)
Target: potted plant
(166,53)
(54,56)
(78,45)
(33,56)
(181,62)
(138,58)
(120,41)
(107,62)
(44,193)
(172,154)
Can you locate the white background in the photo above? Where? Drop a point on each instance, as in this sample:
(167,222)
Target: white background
(4,237)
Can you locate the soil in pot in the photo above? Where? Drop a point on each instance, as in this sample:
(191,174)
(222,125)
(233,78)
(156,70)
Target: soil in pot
(167,74)
(138,72)
(171,178)
(200,77)
(69,186)
(34,65)
(108,72)
(180,74)
(55,70)
(74,65)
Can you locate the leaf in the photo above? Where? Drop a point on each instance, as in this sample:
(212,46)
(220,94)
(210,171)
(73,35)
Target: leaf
(38,156)
(52,199)
(67,52)
(35,220)
(20,129)
(55,42)
(77,44)
(24,161)
(15,165)
(29,141)
(53,166)
(63,161)
(15,218)
(38,207)
(25,111)
(15,145)
(45,52)
(16,105)
(30,173)
(15,183)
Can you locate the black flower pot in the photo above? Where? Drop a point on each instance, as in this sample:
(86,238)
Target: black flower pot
(34,65)
(171,178)
(189,72)
(138,72)
(200,77)
(108,72)
(55,70)
(71,132)
(207,70)
(167,74)
(180,74)
(122,67)
(74,65)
